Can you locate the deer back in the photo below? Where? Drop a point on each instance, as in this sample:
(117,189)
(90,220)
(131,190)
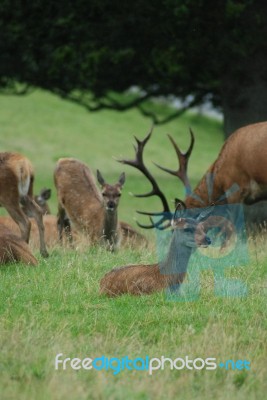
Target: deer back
(241,161)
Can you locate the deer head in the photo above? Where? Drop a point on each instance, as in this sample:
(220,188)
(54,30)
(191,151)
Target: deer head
(111,193)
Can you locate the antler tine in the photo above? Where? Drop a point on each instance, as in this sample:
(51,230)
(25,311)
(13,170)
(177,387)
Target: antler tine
(157,225)
(183,158)
(138,163)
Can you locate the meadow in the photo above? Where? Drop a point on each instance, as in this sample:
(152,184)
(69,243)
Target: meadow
(56,307)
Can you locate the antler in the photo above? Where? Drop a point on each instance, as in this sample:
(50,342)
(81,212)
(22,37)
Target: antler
(138,163)
(183,158)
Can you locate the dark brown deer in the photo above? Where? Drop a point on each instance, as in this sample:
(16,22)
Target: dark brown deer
(90,211)
(16,188)
(14,249)
(237,176)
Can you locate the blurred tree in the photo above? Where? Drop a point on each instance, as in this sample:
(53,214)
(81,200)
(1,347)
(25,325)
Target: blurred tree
(89,51)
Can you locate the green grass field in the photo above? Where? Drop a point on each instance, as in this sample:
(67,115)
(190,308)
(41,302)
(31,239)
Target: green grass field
(56,308)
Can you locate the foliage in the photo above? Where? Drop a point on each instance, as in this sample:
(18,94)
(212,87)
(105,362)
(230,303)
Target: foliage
(165,47)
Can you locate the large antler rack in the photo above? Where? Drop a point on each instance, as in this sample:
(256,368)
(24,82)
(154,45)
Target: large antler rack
(183,158)
(138,163)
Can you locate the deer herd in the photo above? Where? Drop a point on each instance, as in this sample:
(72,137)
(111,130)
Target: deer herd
(84,210)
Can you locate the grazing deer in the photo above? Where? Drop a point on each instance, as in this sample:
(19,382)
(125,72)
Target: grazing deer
(90,211)
(14,249)
(237,176)
(16,187)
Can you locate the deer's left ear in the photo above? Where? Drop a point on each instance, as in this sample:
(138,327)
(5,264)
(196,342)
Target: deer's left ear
(100,178)
(121,180)
(46,194)
(179,204)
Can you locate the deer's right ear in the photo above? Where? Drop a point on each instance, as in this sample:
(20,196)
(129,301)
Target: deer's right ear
(46,194)
(179,204)
(100,178)
(122,178)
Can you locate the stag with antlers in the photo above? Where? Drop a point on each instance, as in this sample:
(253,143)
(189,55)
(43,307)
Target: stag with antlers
(237,176)
(188,233)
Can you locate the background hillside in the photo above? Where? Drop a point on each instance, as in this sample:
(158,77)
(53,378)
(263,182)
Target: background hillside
(45,128)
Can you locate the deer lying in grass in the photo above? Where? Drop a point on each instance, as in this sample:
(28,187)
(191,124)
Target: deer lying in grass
(16,188)
(238,176)
(14,249)
(90,211)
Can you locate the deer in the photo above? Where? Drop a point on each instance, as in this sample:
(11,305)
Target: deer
(16,189)
(82,206)
(49,222)
(237,176)
(14,249)
(90,211)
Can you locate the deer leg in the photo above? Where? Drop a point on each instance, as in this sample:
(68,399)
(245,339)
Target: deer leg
(21,219)
(63,224)
(36,211)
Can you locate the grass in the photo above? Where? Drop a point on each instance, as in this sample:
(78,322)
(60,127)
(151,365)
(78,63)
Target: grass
(56,308)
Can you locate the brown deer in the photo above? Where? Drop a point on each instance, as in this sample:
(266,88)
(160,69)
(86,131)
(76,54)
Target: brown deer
(237,176)
(50,230)
(16,188)
(14,249)
(90,211)
(49,222)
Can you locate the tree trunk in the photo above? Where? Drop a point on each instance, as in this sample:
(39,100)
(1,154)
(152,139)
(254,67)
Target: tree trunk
(244,96)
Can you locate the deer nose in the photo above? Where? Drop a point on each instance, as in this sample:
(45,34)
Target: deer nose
(110,205)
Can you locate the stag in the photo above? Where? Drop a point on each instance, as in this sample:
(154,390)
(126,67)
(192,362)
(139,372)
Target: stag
(188,234)
(16,188)
(236,176)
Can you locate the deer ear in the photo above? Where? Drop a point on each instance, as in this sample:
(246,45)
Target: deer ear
(46,194)
(122,179)
(179,204)
(100,178)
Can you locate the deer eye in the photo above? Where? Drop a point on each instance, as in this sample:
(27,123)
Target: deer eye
(119,195)
(104,194)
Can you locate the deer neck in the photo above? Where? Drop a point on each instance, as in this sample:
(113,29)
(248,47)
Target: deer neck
(177,259)
(110,228)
